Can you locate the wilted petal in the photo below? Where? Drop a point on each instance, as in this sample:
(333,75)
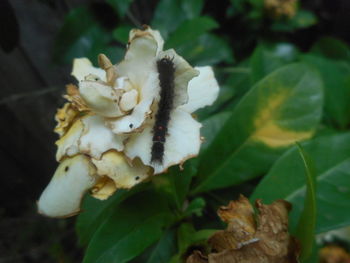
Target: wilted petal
(83,67)
(202,90)
(101,98)
(68,144)
(88,135)
(183,142)
(115,166)
(62,197)
(104,188)
(73,96)
(64,118)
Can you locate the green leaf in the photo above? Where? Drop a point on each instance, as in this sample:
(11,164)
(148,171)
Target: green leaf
(189,30)
(192,8)
(305,231)
(187,236)
(115,54)
(175,184)
(121,34)
(195,207)
(80,36)
(236,7)
(336,78)
(332,165)
(120,6)
(331,48)
(165,248)
(303,19)
(231,91)
(169,14)
(133,226)
(281,109)
(315,254)
(208,49)
(167,17)
(268,57)
(95,212)
(211,128)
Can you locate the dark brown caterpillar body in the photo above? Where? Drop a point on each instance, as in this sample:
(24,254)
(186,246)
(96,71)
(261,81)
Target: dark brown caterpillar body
(166,71)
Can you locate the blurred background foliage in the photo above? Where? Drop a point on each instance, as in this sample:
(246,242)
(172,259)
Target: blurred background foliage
(284,71)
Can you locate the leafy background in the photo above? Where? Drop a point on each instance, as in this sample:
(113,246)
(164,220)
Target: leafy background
(283,80)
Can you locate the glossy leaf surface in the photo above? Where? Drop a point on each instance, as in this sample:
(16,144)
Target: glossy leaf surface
(332,164)
(281,109)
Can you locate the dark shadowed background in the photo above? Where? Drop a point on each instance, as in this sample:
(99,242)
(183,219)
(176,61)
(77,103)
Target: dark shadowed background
(31,88)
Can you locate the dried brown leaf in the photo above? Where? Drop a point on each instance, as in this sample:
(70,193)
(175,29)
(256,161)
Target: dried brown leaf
(334,254)
(245,241)
(197,257)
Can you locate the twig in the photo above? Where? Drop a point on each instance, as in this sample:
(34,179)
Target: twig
(34,93)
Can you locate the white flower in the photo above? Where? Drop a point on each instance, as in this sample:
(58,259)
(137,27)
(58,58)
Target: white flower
(194,88)
(183,140)
(106,130)
(73,177)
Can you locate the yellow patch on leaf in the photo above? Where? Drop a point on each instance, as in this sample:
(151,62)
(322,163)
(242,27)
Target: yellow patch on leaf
(268,131)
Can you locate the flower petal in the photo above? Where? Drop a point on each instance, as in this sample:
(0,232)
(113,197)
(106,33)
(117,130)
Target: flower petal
(73,96)
(97,138)
(100,98)
(68,144)
(139,67)
(62,197)
(148,30)
(128,123)
(184,72)
(115,166)
(90,136)
(128,100)
(138,58)
(104,188)
(83,67)
(64,118)
(183,142)
(202,90)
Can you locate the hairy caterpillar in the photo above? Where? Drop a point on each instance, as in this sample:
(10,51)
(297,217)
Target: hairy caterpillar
(166,71)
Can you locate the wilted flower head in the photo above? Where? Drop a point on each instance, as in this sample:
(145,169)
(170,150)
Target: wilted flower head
(107,129)
(281,8)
